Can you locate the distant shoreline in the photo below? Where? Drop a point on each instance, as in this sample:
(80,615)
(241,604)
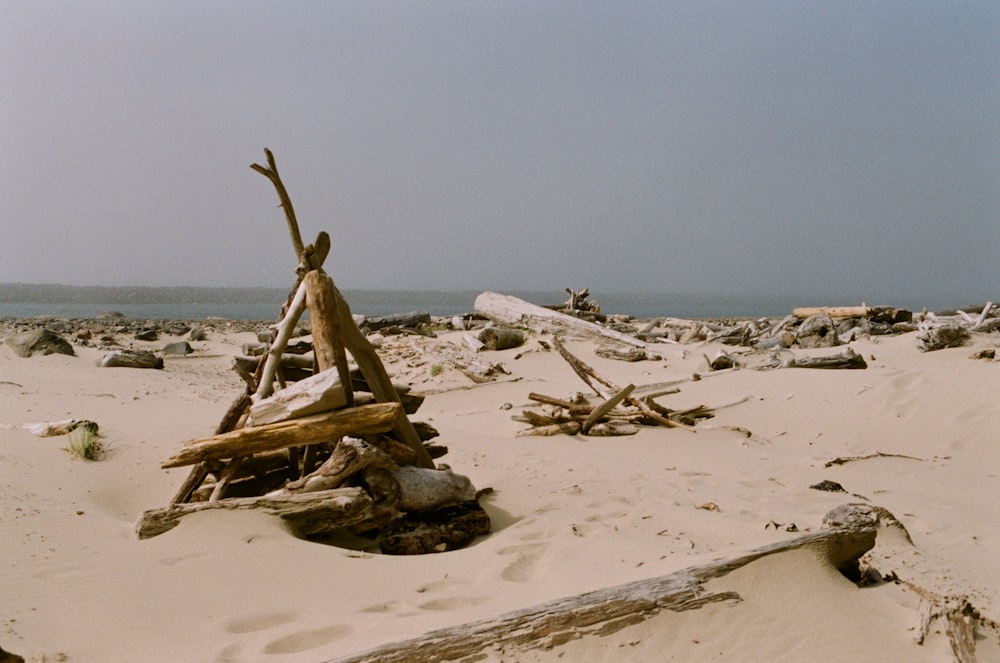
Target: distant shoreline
(198,303)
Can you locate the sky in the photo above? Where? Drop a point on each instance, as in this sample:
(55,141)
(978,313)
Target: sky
(829,149)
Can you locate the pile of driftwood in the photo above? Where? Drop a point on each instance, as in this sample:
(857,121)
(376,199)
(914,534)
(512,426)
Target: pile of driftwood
(806,328)
(619,411)
(332,448)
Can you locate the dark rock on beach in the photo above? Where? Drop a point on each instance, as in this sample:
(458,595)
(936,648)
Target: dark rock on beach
(39,341)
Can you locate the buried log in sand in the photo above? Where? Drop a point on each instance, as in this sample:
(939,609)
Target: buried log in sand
(605,611)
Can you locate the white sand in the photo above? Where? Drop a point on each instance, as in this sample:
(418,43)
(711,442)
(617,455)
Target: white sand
(570,514)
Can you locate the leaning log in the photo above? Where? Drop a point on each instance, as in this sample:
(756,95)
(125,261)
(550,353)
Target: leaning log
(512,311)
(606,611)
(371,367)
(325,427)
(310,514)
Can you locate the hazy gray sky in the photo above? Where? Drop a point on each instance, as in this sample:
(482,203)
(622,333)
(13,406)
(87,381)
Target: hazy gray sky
(747,147)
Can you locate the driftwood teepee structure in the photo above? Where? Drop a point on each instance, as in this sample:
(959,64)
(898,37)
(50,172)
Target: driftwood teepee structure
(334,450)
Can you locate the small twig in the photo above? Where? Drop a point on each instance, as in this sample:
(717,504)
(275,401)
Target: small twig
(878,454)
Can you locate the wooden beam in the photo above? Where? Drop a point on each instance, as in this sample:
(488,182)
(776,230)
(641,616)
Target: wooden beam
(325,427)
(605,611)
(311,513)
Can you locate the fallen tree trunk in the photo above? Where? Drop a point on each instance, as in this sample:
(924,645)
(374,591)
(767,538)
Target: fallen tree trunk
(605,611)
(326,427)
(847,359)
(508,310)
(833,311)
(412,319)
(309,513)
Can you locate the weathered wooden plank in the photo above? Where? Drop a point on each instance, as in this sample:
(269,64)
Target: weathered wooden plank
(310,513)
(606,610)
(325,427)
(513,311)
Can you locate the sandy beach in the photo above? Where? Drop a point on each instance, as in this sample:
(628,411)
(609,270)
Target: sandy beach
(916,433)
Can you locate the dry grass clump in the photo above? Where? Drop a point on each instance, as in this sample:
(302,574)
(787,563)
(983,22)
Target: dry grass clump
(84,442)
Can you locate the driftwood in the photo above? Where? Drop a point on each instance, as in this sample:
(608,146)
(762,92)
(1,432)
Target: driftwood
(325,427)
(349,457)
(310,514)
(601,385)
(319,393)
(371,366)
(411,319)
(328,346)
(507,310)
(941,336)
(608,610)
(833,311)
(843,460)
(846,359)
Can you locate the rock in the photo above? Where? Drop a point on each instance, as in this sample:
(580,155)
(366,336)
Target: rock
(178,348)
(817,331)
(828,486)
(84,335)
(434,531)
(425,489)
(197,334)
(851,516)
(39,341)
(147,335)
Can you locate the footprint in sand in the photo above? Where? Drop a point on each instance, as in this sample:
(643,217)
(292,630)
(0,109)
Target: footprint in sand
(454,603)
(523,567)
(306,640)
(258,622)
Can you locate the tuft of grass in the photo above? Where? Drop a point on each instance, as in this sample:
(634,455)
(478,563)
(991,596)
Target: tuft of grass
(436,370)
(85,443)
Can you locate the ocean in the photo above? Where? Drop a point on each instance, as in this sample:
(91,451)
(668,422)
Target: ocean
(191,303)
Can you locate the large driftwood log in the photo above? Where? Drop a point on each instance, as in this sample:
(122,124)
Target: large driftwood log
(328,342)
(508,310)
(846,359)
(833,311)
(319,393)
(373,323)
(371,367)
(608,610)
(361,420)
(310,514)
